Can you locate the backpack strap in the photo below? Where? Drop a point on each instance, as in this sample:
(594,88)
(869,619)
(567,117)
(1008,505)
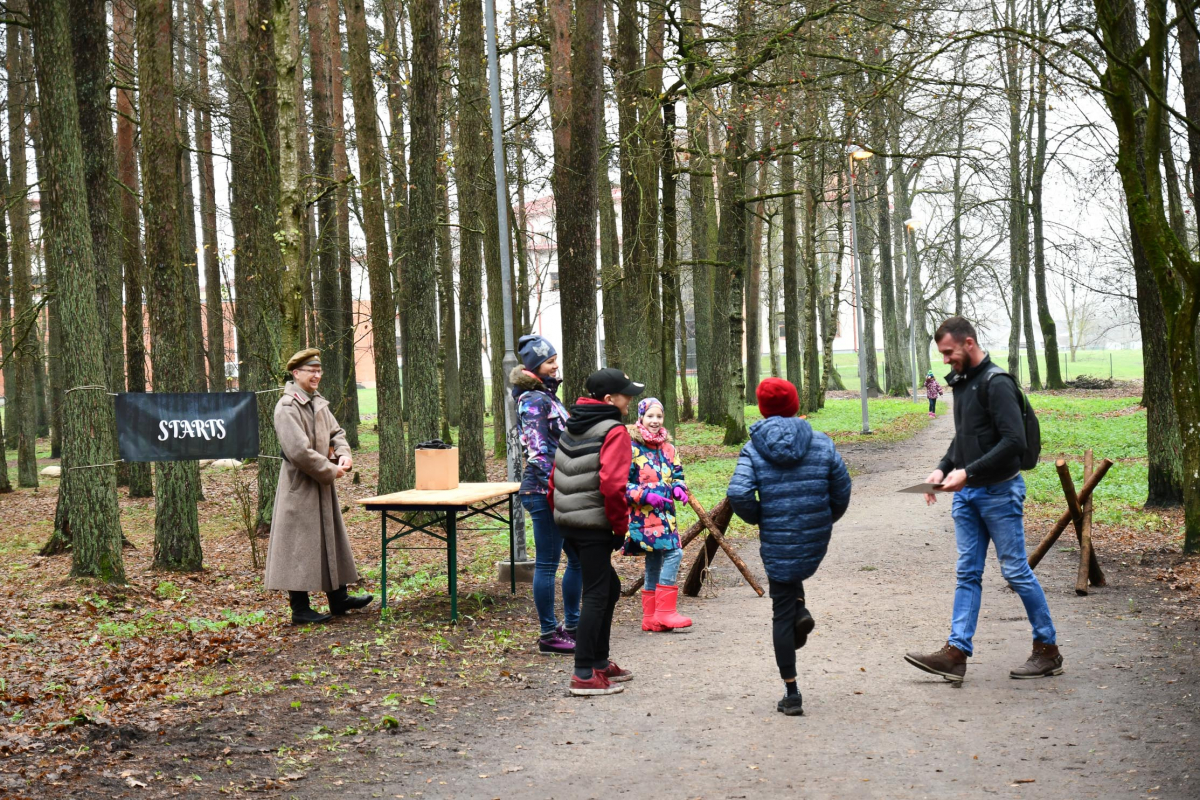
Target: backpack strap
(987,380)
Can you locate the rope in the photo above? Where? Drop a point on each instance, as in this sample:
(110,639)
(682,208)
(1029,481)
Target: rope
(268,391)
(93,466)
(708,578)
(73,388)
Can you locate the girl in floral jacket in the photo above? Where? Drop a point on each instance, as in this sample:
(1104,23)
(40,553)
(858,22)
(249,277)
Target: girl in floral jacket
(933,390)
(655,486)
(543,418)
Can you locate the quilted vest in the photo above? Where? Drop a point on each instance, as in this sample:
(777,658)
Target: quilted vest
(577,499)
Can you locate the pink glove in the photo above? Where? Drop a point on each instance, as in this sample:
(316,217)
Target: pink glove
(680,494)
(655,501)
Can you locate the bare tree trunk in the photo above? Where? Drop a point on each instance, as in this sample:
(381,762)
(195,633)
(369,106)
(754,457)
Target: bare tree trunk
(187,209)
(732,249)
(26,335)
(790,264)
(772,325)
(329,294)
(521,312)
(176,527)
(866,267)
(670,269)
(610,268)
(447,330)
(398,208)
(347,414)
(1045,318)
(636,287)
(810,392)
(895,360)
(6,325)
(757,180)
(140,480)
(1016,194)
(214,307)
(89,31)
(421,376)
(90,505)
(577,117)
(829,311)
(290,230)
(392,473)
(469,166)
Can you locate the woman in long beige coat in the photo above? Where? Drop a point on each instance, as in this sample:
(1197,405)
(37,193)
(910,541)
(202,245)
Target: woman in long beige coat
(309,550)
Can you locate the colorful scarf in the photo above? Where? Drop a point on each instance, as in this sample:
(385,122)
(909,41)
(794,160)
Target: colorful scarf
(654,439)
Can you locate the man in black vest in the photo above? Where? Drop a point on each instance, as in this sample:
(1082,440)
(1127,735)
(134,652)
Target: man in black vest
(587,493)
(983,469)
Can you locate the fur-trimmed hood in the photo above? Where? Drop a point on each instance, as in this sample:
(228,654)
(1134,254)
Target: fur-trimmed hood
(525,380)
(636,435)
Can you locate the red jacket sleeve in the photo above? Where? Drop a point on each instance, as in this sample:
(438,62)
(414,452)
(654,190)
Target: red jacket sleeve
(616,454)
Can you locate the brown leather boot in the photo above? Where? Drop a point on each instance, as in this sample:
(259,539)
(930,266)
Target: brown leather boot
(1045,661)
(949,662)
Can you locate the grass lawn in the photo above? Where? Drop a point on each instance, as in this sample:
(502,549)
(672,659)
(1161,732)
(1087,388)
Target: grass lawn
(1126,365)
(1114,428)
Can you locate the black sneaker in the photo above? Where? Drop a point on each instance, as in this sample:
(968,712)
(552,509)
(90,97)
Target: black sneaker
(804,624)
(792,705)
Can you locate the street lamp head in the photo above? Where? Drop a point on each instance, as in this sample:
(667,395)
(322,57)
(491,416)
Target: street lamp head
(859,153)
(912,223)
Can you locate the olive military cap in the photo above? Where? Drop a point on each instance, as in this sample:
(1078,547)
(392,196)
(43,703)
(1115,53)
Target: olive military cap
(304,358)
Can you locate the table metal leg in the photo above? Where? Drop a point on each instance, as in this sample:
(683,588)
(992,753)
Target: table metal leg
(452,558)
(512,541)
(383,565)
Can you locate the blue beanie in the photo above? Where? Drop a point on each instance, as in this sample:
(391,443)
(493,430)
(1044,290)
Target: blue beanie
(534,350)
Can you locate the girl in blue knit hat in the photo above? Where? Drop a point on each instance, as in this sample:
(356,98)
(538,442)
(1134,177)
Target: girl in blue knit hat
(543,418)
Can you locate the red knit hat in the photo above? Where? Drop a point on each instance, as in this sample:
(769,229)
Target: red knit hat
(777,398)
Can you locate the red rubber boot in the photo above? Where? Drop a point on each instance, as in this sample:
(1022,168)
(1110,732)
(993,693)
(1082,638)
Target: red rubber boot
(649,623)
(665,604)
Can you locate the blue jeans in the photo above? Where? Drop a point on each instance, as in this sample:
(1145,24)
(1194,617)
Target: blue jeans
(548,548)
(997,513)
(662,566)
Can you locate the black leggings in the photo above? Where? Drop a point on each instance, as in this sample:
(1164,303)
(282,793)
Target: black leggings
(785,603)
(601,590)
(932,405)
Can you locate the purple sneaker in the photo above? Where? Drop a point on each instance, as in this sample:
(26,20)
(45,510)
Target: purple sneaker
(563,633)
(555,644)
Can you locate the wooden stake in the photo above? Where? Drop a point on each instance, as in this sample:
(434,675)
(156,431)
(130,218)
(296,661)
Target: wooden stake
(721,514)
(1084,495)
(729,551)
(1085,534)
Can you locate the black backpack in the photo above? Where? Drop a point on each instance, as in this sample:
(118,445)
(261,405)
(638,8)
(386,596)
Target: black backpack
(1033,430)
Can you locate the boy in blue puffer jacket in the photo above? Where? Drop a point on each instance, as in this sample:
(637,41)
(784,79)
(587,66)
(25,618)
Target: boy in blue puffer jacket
(791,483)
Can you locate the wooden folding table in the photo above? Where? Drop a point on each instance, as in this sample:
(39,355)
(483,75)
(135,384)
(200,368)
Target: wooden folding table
(452,507)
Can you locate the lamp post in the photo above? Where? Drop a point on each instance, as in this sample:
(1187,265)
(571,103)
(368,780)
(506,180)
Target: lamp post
(512,432)
(911,224)
(856,153)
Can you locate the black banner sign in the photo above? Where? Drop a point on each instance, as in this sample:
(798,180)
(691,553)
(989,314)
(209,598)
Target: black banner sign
(187,426)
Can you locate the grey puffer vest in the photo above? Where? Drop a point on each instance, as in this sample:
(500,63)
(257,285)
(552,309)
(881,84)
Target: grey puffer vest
(577,499)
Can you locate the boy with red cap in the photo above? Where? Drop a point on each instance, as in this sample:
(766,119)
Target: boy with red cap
(791,483)
(587,494)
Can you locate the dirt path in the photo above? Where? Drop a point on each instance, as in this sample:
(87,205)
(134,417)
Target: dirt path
(699,720)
